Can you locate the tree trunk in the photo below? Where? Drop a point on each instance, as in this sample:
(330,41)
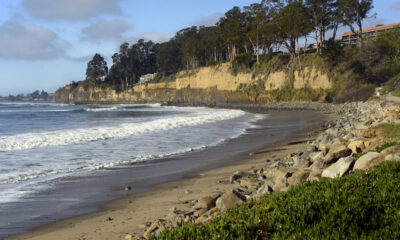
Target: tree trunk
(359,23)
(258,51)
(335,28)
(215,53)
(316,38)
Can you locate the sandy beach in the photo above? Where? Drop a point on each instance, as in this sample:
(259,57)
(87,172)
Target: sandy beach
(130,214)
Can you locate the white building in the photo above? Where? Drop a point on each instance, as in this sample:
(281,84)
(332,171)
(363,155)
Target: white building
(147,78)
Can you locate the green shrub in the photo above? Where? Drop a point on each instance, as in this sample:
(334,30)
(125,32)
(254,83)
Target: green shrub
(333,52)
(363,205)
(243,61)
(355,93)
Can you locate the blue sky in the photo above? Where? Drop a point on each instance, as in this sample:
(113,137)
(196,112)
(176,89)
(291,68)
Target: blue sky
(45,44)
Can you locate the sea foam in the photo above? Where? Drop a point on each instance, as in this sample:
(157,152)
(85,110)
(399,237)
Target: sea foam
(80,135)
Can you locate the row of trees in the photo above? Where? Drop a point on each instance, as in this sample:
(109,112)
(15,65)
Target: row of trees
(259,29)
(36,95)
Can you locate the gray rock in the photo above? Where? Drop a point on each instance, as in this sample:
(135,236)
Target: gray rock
(337,151)
(356,146)
(298,177)
(364,162)
(228,201)
(315,175)
(339,168)
(266,188)
(157,225)
(324,148)
(311,148)
(281,183)
(238,175)
(300,162)
(392,157)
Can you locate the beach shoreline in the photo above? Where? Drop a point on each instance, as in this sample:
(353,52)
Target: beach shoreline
(129,214)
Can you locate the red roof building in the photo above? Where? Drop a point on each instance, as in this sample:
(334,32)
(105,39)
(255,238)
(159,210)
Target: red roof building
(350,38)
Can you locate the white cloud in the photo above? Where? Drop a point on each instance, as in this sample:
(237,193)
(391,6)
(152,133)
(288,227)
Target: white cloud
(153,36)
(105,30)
(210,20)
(29,42)
(372,22)
(70,9)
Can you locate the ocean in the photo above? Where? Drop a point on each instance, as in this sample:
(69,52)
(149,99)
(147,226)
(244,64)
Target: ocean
(45,145)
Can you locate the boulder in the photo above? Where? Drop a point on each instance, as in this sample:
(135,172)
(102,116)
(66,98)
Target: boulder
(281,183)
(283,172)
(297,178)
(317,156)
(248,182)
(238,175)
(318,163)
(392,157)
(228,201)
(265,189)
(202,219)
(368,144)
(315,175)
(311,148)
(128,236)
(157,225)
(204,203)
(356,146)
(339,168)
(336,151)
(324,148)
(332,131)
(300,162)
(365,161)
(347,137)
(199,212)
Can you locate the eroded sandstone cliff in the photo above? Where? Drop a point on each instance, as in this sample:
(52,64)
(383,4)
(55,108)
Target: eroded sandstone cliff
(208,85)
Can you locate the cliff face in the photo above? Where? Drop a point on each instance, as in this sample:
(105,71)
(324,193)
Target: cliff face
(208,85)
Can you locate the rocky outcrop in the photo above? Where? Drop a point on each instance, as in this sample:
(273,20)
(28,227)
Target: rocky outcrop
(207,85)
(334,157)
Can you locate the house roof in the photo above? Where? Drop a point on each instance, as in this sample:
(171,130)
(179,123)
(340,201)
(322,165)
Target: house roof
(373,29)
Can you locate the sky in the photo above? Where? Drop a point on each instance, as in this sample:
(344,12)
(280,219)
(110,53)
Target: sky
(46,44)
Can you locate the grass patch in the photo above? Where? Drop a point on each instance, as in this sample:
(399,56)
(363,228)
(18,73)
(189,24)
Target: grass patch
(363,205)
(396,93)
(389,130)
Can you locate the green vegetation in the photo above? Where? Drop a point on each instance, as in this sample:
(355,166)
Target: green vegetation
(263,38)
(363,205)
(390,130)
(96,68)
(396,93)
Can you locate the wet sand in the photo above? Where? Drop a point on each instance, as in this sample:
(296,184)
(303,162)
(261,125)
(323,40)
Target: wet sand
(159,186)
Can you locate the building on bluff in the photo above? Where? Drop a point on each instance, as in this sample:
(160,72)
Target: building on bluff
(350,38)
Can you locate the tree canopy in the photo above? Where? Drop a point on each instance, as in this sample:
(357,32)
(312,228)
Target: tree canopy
(244,33)
(96,68)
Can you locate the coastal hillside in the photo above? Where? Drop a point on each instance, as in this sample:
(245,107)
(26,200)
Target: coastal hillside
(258,53)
